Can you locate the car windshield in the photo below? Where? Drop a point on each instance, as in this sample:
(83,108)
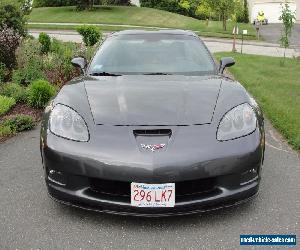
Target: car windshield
(157,54)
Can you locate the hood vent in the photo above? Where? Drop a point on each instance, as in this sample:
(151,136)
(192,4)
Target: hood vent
(152,132)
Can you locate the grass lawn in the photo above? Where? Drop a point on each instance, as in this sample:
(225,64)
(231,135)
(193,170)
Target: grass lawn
(131,16)
(104,28)
(275,87)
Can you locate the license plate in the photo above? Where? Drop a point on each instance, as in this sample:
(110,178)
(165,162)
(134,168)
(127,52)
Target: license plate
(152,195)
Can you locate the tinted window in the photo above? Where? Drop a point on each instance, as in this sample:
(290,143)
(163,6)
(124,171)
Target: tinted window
(153,53)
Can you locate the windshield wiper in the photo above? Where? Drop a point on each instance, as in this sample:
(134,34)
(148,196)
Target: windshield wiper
(157,74)
(104,74)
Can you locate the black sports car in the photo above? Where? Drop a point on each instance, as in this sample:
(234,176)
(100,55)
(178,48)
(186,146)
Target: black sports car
(152,128)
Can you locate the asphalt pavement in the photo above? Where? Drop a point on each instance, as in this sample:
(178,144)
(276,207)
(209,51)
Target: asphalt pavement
(29,219)
(272,33)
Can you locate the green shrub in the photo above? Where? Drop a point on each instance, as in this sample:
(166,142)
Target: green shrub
(45,41)
(6,103)
(175,6)
(90,34)
(39,93)
(19,123)
(6,131)
(57,65)
(12,17)
(25,76)
(29,61)
(81,4)
(13,90)
(9,42)
(53,3)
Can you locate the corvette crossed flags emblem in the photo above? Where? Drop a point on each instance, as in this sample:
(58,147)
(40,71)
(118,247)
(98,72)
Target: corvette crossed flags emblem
(153,147)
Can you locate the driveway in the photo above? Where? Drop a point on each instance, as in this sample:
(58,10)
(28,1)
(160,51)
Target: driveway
(29,219)
(272,32)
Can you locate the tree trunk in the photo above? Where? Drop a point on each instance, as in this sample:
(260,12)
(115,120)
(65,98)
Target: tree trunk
(224,22)
(234,38)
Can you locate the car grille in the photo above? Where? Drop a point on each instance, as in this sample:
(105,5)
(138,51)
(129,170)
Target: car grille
(184,189)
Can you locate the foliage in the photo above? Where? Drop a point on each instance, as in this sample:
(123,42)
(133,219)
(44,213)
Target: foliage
(6,131)
(288,19)
(9,42)
(185,5)
(80,4)
(244,16)
(57,65)
(6,103)
(14,124)
(11,17)
(134,16)
(29,61)
(116,2)
(85,4)
(45,42)
(26,6)
(18,123)
(52,3)
(3,72)
(90,34)
(176,6)
(13,90)
(17,3)
(204,10)
(224,8)
(39,93)
(25,76)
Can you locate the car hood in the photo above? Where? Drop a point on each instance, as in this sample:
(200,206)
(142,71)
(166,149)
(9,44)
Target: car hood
(152,100)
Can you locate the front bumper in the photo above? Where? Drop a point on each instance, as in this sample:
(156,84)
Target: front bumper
(87,199)
(218,174)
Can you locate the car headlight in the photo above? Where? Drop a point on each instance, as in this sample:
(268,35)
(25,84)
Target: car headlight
(67,123)
(238,122)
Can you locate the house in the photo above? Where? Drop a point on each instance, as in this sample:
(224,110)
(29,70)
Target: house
(135,2)
(272,9)
(298,10)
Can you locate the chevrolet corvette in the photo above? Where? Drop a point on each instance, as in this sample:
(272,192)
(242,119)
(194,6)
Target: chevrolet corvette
(152,127)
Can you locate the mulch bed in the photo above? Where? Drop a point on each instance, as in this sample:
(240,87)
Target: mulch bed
(21,109)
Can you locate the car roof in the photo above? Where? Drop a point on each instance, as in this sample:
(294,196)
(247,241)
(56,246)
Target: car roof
(162,31)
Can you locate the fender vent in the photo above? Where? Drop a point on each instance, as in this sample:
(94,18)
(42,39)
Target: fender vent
(152,132)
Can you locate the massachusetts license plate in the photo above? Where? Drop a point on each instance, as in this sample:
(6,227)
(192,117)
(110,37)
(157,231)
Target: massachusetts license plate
(152,195)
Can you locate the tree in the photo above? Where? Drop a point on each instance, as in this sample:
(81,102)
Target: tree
(245,12)
(12,17)
(185,4)
(237,9)
(288,19)
(204,10)
(224,8)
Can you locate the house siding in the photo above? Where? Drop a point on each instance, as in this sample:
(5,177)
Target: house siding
(297,10)
(271,8)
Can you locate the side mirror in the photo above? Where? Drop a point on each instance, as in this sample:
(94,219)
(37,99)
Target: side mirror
(225,63)
(79,62)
